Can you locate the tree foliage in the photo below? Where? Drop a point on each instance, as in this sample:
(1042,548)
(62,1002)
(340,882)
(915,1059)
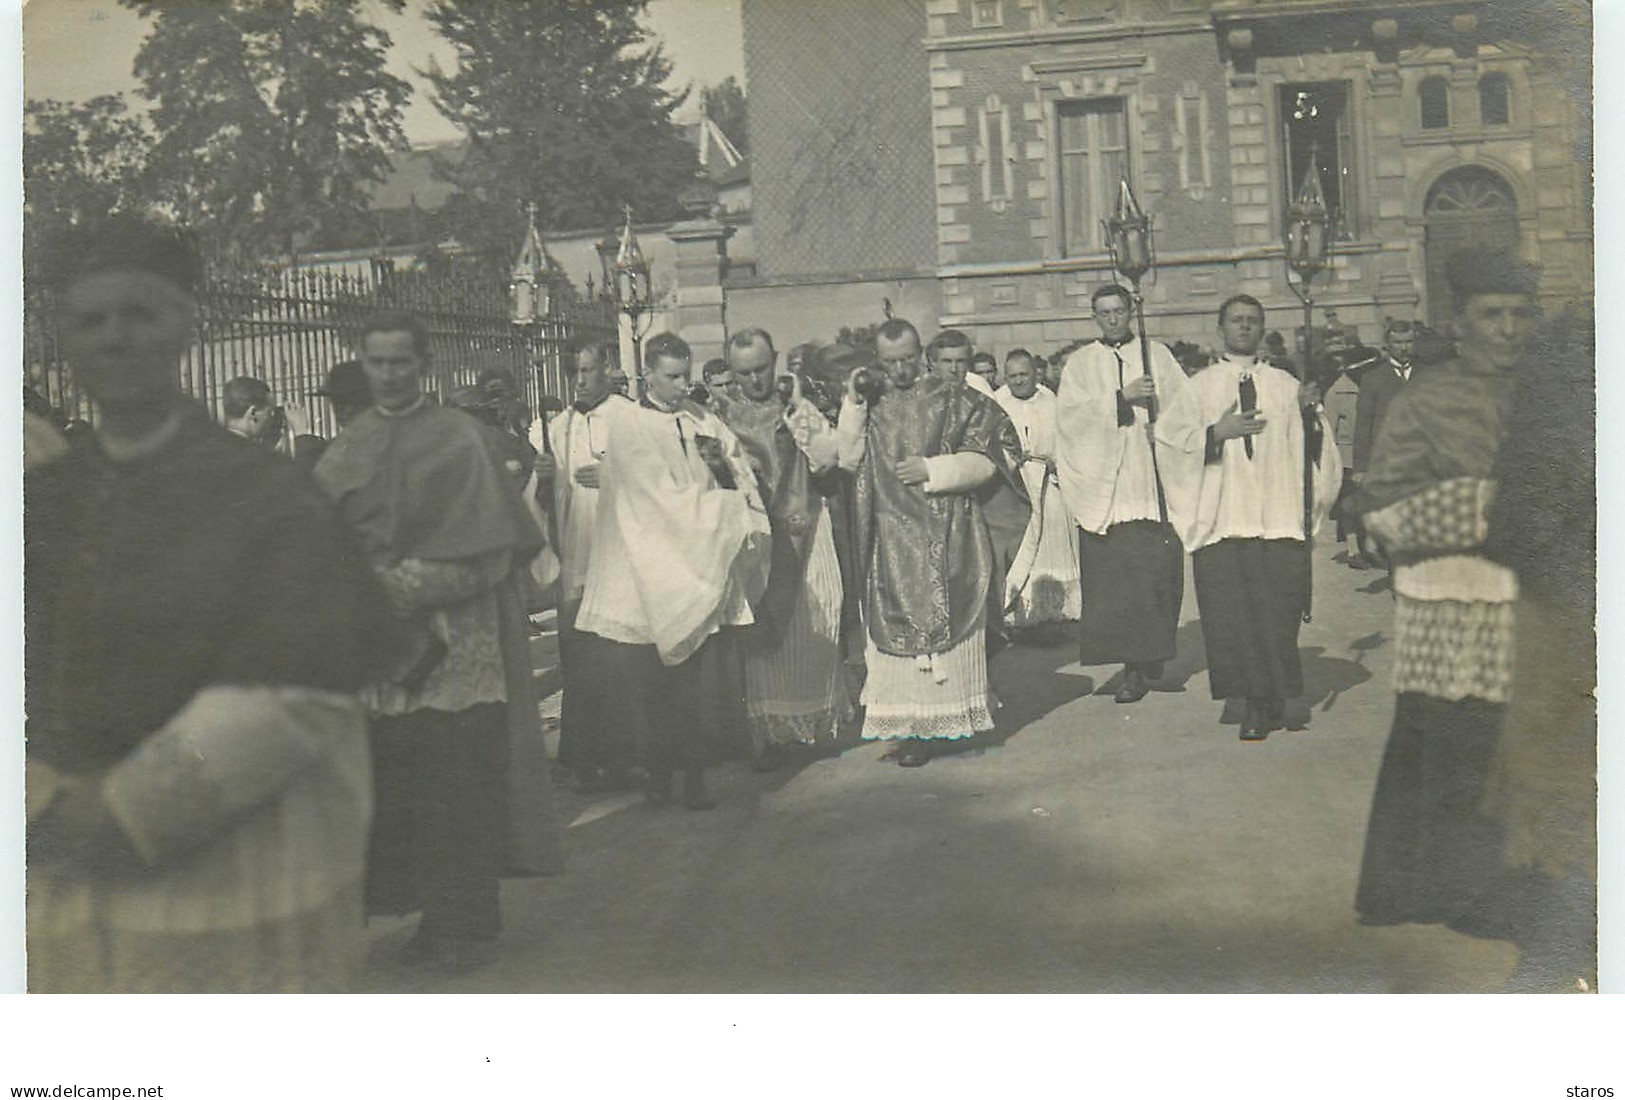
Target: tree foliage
(725,105)
(562,104)
(81,162)
(272,117)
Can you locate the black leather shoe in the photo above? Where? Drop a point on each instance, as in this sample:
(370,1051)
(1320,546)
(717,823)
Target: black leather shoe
(1255,727)
(1275,715)
(913,754)
(1134,686)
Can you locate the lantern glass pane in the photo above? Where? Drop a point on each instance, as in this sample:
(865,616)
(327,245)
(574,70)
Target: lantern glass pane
(1137,253)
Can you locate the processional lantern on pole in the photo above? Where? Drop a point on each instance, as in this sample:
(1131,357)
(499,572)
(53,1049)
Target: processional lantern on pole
(1308,246)
(1128,238)
(1308,253)
(626,279)
(530,291)
(1134,257)
(530,297)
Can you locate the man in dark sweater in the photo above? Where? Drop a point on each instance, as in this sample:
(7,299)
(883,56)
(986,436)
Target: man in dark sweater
(1378,385)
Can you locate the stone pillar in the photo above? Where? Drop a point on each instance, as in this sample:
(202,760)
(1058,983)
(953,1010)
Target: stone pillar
(1391,220)
(702,260)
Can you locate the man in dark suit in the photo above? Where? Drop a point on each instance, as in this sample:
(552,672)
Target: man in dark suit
(1378,385)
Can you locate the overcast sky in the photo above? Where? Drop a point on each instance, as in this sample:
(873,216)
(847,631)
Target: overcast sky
(77,49)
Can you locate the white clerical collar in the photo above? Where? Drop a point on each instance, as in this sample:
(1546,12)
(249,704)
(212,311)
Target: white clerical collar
(1246,362)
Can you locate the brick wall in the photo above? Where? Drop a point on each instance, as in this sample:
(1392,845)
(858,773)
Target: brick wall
(840,136)
(1206,160)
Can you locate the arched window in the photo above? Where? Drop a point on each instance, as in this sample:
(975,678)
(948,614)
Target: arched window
(1434,94)
(1494,100)
(1468,207)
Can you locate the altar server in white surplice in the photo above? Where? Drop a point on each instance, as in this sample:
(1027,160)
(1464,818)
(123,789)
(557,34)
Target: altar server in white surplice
(1233,447)
(1133,566)
(1042,585)
(571,449)
(679,553)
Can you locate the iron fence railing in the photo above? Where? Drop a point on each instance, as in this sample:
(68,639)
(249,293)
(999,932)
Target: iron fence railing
(290,327)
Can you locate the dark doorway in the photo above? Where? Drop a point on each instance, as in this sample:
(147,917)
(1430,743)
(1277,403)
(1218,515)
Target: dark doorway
(1469,207)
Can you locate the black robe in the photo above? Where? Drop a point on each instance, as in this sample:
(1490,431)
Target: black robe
(212,561)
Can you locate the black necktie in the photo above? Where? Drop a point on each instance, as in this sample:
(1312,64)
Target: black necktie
(1125,411)
(1247,393)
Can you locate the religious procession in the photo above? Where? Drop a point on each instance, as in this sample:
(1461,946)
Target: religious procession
(800,604)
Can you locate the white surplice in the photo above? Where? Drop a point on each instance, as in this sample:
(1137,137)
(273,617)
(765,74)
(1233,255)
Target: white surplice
(1238,497)
(1105,468)
(1042,583)
(675,556)
(796,691)
(578,439)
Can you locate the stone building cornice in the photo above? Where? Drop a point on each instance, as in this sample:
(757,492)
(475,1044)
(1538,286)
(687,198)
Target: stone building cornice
(1165,259)
(1247,31)
(1062,36)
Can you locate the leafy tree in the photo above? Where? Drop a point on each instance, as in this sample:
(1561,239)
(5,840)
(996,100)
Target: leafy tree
(563,105)
(81,162)
(725,105)
(272,116)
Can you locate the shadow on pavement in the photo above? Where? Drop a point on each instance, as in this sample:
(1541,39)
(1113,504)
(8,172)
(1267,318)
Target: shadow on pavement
(1029,683)
(1324,680)
(1087,896)
(1368,643)
(1190,658)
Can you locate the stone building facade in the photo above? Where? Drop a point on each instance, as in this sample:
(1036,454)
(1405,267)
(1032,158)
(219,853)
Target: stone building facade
(1434,124)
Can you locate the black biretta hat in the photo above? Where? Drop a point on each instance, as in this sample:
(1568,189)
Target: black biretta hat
(1475,271)
(345,382)
(124,243)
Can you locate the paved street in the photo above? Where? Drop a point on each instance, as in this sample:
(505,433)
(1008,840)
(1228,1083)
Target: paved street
(1087,847)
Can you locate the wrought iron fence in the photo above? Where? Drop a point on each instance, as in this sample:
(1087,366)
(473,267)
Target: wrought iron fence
(290,327)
